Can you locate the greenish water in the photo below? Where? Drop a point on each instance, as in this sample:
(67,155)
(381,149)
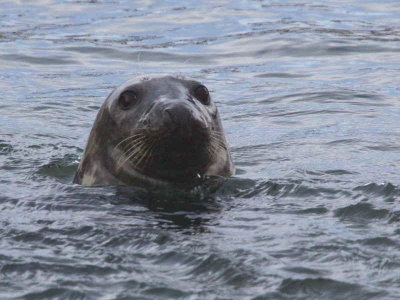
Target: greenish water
(309,97)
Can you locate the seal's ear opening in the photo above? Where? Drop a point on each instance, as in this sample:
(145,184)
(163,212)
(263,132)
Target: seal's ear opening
(127,99)
(201,93)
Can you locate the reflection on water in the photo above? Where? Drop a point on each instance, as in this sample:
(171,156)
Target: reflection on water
(308,93)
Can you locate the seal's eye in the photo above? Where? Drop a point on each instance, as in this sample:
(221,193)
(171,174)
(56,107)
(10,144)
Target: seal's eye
(202,94)
(127,99)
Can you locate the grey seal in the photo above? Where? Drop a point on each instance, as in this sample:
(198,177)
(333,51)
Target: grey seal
(159,130)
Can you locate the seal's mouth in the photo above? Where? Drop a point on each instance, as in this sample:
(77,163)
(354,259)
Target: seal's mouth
(174,156)
(180,157)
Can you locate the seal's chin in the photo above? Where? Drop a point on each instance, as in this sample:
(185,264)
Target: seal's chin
(136,175)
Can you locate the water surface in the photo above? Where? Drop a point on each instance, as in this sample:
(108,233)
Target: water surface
(309,96)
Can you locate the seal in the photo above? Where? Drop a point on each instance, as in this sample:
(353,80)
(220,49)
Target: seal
(160,130)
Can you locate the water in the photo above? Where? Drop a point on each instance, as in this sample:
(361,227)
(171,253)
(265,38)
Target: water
(309,95)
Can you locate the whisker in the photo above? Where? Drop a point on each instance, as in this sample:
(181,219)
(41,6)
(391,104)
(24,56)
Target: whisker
(144,154)
(150,153)
(144,147)
(128,156)
(124,140)
(135,132)
(134,143)
(141,156)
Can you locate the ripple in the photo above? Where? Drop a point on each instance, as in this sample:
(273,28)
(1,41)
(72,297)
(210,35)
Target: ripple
(142,56)
(24,270)
(313,210)
(334,96)
(303,270)
(59,293)
(387,191)
(338,172)
(281,75)
(294,189)
(216,269)
(36,238)
(165,292)
(379,242)
(62,169)
(323,288)
(361,212)
(39,60)
(5,148)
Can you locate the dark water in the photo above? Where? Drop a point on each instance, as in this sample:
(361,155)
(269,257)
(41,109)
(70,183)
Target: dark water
(309,96)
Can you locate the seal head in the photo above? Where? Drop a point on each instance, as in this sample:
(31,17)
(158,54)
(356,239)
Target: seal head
(159,130)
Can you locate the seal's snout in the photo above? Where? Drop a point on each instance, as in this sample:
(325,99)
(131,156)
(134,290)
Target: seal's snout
(180,119)
(177,115)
